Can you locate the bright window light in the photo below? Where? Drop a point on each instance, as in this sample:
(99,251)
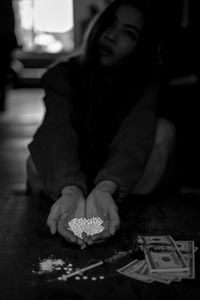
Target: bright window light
(53,15)
(26,14)
(45,25)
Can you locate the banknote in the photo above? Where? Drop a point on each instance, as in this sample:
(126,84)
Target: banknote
(162,254)
(132,270)
(144,270)
(187,249)
(160,277)
(138,270)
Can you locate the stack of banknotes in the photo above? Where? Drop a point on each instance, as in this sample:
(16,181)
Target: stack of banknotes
(165,260)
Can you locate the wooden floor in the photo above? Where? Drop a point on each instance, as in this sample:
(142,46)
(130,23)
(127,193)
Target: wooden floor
(25,239)
(24,110)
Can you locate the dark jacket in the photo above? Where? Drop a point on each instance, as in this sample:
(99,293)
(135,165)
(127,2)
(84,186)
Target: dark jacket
(103,133)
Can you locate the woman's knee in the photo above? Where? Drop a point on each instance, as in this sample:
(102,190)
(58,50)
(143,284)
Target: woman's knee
(165,135)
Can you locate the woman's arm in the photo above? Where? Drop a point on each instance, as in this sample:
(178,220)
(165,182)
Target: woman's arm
(133,143)
(55,145)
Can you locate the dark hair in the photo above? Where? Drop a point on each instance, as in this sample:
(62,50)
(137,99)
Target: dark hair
(146,55)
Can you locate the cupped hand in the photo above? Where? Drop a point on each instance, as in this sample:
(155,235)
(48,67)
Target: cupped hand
(100,203)
(69,206)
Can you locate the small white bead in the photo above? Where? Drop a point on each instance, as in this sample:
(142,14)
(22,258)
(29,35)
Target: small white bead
(93,278)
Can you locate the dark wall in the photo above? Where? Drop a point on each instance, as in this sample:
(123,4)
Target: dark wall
(181,61)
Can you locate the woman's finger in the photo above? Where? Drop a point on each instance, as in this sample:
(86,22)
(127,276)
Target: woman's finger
(80,242)
(67,234)
(114,225)
(53,219)
(102,235)
(93,242)
(114,220)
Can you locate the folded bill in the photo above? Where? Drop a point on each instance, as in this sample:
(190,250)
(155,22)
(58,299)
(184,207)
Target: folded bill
(140,270)
(132,270)
(187,249)
(162,254)
(144,271)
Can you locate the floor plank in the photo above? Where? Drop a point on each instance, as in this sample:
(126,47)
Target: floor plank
(24,112)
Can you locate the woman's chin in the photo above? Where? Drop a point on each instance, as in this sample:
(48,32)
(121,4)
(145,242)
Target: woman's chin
(105,61)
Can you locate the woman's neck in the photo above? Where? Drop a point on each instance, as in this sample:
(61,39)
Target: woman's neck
(108,75)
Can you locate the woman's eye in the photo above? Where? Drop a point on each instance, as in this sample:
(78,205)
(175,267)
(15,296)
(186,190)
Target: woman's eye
(131,34)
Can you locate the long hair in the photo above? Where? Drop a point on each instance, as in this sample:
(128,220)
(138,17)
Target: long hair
(145,56)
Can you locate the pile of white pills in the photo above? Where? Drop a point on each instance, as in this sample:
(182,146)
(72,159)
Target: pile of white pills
(89,226)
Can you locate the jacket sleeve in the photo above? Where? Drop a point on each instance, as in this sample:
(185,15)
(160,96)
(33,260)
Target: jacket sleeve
(131,146)
(54,148)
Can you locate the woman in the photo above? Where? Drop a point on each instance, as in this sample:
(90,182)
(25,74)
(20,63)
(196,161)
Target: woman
(101,138)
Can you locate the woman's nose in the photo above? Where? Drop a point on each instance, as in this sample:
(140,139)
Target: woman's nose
(112,35)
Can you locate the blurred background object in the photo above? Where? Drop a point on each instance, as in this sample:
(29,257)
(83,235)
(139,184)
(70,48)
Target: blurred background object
(8,43)
(44,25)
(47,30)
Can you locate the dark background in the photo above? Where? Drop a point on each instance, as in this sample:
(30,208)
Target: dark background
(24,237)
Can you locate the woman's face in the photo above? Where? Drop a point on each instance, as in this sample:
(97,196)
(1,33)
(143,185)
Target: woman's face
(121,37)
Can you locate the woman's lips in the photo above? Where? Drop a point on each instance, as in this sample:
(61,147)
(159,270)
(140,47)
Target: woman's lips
(105,51)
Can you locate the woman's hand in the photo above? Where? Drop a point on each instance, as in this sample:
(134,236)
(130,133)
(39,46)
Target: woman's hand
(100,203)
(69,206)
